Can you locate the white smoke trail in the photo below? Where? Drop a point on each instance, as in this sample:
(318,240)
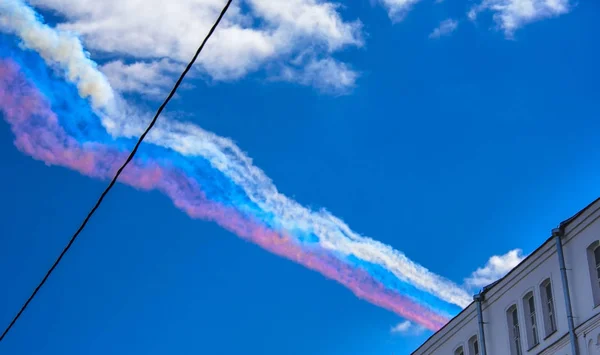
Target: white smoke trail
(66,50)
(334,234)
(58,48)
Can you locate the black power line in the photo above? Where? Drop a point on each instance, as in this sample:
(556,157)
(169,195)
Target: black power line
(114,180)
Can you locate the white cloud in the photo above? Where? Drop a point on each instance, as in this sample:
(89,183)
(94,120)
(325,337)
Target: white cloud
(328,75)
(445,28)
(249,38)
(472,14)
(510,15)
(496,267)
(397,9)
(149,78)
(407,328)
(311,19)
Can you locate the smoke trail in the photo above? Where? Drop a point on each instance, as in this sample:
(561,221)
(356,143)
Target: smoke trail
(333,234)
(59,49)
(39,134)
(77,122)
(227,176)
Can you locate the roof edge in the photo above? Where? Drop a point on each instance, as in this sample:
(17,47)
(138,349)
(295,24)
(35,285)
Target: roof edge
(562,225)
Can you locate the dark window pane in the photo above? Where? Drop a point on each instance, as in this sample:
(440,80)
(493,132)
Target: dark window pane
(531,305)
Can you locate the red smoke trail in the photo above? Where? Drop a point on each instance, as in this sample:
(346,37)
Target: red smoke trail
(39,135)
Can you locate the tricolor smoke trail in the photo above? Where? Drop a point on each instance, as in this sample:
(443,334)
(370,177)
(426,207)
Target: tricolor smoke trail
(63,112)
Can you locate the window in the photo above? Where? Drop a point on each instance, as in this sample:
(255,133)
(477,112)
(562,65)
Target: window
(530,320)
(514,331)
(593,255)
(548,307)
(459,351)
(473,346)
(597,263)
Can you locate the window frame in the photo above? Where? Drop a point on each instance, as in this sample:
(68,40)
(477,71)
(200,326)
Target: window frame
(548,307)
(531,321)
(594,271)
(596,252)
(474,342)
(514,330)
(459,350)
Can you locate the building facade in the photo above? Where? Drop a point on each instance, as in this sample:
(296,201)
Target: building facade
(548,304)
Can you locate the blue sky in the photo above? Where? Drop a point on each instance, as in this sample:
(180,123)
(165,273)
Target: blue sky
(450,149)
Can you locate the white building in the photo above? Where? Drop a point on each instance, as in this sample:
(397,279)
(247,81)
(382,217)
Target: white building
(548,304)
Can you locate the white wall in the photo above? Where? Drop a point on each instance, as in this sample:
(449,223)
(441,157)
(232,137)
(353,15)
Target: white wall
(579,236)
(454,334)
(528,276)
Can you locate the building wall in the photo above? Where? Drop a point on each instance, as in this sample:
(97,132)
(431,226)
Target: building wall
(541,265)
(457,333)
(511,292)
(582,234)
(579,236)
